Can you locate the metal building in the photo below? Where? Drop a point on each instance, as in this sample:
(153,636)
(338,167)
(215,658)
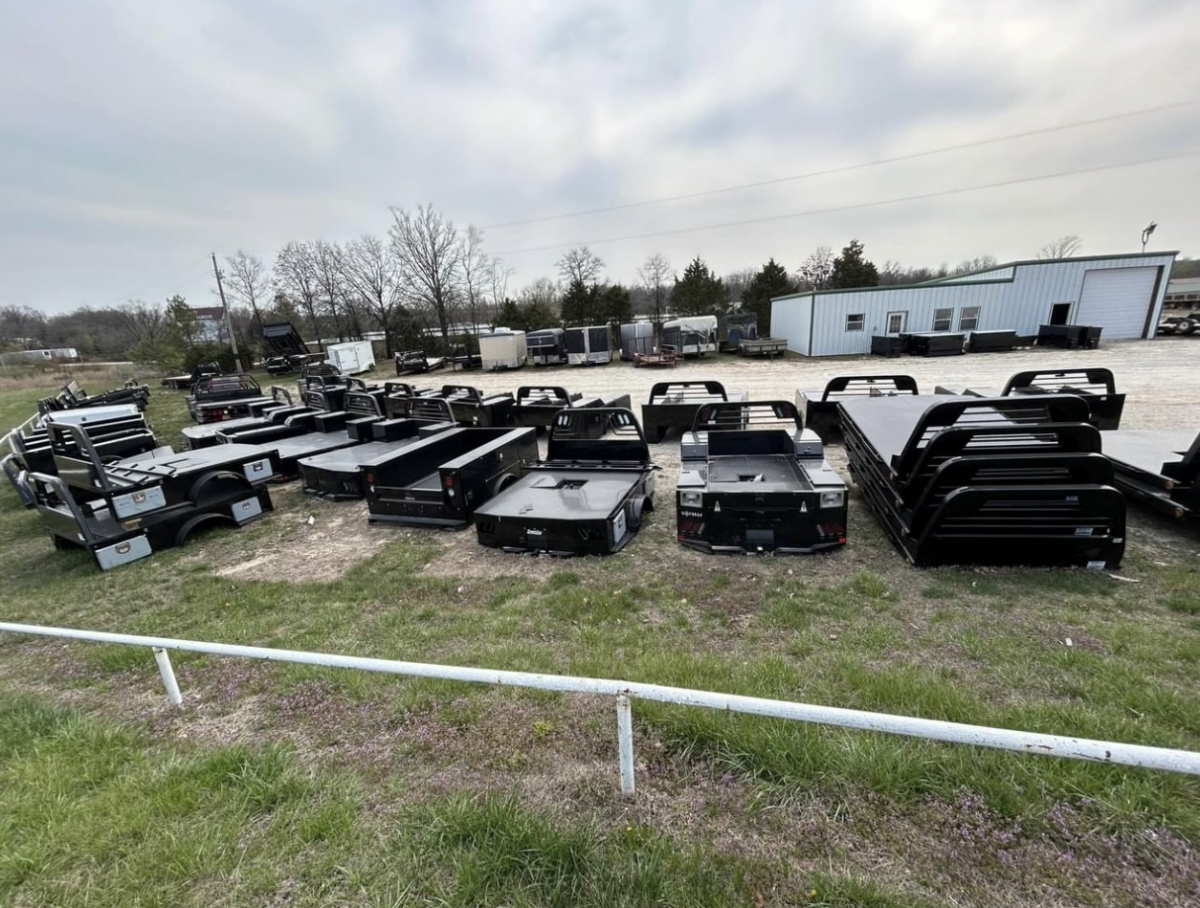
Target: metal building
(1123,294)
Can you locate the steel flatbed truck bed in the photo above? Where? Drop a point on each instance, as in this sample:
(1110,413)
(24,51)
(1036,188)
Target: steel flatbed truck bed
(586,498)
(754,480)
(299,437)
(126,510)
(439,481)
(1158,468)
(338,475)
(673,405)
(820,408)
(1007,480)
(537,406)
(272,413)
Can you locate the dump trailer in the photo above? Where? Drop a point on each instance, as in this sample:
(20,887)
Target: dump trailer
(223,397)
(673,405)
(126,510)
(440,481)
(298,437)
(503,349)
(587,497)
(589,346)
(1009,480)
(416,362)
(288,353)
(1098,388)
(547,346)
(1157,468)
(338,475)
(820,408)
(754,480)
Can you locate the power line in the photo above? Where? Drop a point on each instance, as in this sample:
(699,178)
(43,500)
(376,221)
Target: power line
(858,206)
(847,168)
(173,278)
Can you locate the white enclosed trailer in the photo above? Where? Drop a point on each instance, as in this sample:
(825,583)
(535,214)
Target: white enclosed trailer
(503,349)
(351,357)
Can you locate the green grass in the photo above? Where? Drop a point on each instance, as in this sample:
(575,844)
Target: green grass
(324,792)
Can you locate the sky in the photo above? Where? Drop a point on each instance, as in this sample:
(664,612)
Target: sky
(138,137)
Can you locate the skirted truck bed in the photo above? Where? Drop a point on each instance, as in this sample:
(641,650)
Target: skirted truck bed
(752,480)
(820,408)
(586,498)
(1158,468)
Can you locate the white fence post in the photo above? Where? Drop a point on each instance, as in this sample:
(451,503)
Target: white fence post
(168,676)
(625,742)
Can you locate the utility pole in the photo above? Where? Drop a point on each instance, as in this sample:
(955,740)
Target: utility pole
(237,358)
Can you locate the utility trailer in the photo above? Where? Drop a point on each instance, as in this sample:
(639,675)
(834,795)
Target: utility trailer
(440,481)
(586,498)
(298,437)
(224,397)
(673,405)
(769,347)
(126,510)
(338,475)
(754,480)
(820,408)
(1098,388)
(589,346)
(273,412)
(1011,480)
(416,362)
(1158,468)
(547,346)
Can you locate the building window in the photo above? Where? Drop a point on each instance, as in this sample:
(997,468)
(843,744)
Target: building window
(942,319)
(968,319)
(896,322)
(855,322)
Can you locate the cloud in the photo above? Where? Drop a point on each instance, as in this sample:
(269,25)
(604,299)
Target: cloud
(139,136)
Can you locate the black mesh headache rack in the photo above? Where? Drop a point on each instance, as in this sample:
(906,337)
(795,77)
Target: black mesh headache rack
(1013,480)
(271,411)
(586,498)
(673,405)
(127,509)
(1098,387)
(753,479)
(1158,468)
(221,397)
(820,408)
(441,480)
(338,475)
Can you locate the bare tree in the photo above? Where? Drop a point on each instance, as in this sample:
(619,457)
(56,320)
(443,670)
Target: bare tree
(370,270)
(22,326)
(247,283)
(1061,248)
(144,323)
(654,274)
(427,253)
(296,276)
(475,276)
(738,281)
(327,269)
(979,263)
(816,273)
(498,276)
(580,265)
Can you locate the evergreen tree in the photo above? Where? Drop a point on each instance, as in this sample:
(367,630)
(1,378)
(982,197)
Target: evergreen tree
(510,316)
(851,269)
(580,304)
(616,305)
(772,280)
(699,292)
(537,314)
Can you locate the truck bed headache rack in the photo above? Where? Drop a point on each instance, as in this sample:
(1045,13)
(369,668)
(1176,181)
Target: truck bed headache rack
(1097,387)
(820,408)
(221,397)
(1009,480)
(754,480)
(587,497)
(673,405)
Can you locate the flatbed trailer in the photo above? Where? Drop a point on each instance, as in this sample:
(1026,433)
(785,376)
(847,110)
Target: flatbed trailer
(820,408)
(440,481)
(587,497)
(338,475)
(769,347)
(673,405)
(223,397)
(753,480)
(1098,388)
(1010,480)
(1158,468)
(126,510)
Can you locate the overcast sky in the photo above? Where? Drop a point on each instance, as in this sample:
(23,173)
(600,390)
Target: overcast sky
(139,136)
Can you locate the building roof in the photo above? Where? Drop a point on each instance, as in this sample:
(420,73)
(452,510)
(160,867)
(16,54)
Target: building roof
(1183,285)
(956,280)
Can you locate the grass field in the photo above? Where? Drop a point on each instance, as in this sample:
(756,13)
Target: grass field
(285,785)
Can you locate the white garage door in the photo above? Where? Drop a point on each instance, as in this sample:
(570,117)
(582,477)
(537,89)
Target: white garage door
(1117,299)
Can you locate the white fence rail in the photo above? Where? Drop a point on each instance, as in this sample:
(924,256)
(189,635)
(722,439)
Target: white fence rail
(623,692)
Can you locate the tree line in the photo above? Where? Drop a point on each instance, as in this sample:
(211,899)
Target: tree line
(427,284)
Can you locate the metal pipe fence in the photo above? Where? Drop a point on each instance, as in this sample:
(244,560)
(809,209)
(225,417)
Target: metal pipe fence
(624,692)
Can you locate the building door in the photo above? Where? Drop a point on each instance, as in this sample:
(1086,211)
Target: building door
(1060,313)
(1118,300)
(896,322)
